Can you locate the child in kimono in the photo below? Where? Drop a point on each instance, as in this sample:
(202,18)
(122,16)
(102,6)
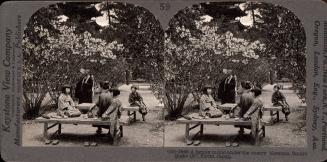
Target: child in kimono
(208,106)
(66,106)
(135,99)
(278,99)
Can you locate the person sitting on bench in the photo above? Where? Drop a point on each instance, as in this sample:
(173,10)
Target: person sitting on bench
(135,99)
(66,106)
(245,102)
(113,113)
(208,106)
(255,111)
(103,103)
(278,99)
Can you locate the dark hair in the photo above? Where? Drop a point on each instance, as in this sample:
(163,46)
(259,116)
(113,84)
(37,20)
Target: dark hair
(257,92)
(246,85)
(63,88)
(115,92)
(105,85)
(277,86)
(205,90)
(134,86)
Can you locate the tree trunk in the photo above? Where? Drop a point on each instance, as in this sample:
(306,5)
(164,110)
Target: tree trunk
(127,79)
(271,77)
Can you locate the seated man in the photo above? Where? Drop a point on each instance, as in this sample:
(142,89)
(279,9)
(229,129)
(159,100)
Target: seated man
(66,106)
(135,99)
(113,113)
(278,99)
(208,107)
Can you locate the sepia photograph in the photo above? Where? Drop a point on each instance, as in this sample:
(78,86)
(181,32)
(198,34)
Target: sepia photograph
(235,77)
(92,76)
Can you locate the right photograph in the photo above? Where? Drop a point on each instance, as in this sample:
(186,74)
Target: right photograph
(235,77)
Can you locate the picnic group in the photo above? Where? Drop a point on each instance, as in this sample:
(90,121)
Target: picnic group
(106,107)
(248,107)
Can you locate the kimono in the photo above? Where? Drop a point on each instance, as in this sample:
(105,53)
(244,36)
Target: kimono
(255,113)
(84,88)
(227,90)
(278,99)
(66,106)
(246,100)
(103,103)
(208,107)
(113,114)
(135,99)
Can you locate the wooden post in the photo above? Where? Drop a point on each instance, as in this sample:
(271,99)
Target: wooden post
(45,131)
(121,131)
(272,116)
(264,131)
(201,130)
(187,132)
(59,128)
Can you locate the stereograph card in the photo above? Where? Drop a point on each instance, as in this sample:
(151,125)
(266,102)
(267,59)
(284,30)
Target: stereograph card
(163,80)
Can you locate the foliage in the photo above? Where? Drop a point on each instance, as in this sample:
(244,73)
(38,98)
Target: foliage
(55,51)
(196,60)
(142,36)
(197,50)
(284,36)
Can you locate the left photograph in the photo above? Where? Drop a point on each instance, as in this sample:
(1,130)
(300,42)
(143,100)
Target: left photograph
(92,76)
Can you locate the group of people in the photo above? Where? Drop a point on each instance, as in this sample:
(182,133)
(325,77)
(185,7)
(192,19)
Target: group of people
(107,107)
(248,107)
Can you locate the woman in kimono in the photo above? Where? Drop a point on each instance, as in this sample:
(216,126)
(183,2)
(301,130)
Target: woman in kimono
(208,106)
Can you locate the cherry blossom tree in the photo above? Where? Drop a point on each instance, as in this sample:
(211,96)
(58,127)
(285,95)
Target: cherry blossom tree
(53,54)
(200,60)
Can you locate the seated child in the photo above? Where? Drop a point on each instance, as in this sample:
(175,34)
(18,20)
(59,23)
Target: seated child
(208,107)
(278,99)
(135,99)
(66,106)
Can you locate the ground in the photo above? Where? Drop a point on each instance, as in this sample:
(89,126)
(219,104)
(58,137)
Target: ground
(282,134)
(141,134)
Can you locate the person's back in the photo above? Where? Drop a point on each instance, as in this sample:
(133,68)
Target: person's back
(245,103)
(105,99)
(113,112)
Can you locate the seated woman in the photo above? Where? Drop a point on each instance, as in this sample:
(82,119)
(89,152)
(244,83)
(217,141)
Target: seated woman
(135,99)
(66,106)
(208,106)
(113,113)
(278,99)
